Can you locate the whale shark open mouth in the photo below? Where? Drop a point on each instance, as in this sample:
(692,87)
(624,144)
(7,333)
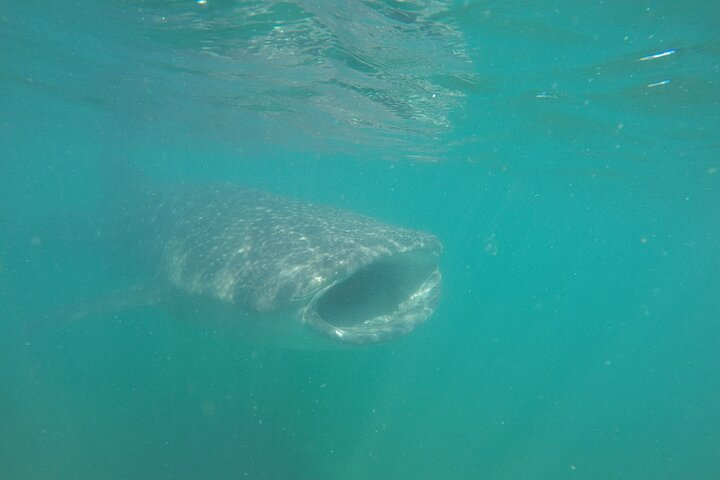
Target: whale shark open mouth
(380,301)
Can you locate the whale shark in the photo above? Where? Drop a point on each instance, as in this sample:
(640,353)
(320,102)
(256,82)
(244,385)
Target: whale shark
(302,273)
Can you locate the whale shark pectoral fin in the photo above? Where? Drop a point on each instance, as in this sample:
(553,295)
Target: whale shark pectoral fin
(110,303)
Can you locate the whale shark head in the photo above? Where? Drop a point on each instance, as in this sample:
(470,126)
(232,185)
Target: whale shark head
(298,266)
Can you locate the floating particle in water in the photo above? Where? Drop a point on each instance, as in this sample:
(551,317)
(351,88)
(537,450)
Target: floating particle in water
(657,55)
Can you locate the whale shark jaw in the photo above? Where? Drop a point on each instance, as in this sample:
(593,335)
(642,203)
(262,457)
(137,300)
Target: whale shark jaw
(379,301)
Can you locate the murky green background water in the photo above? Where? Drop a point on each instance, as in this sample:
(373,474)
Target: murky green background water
(566,155)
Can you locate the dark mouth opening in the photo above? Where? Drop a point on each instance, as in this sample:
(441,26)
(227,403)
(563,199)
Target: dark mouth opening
(375,290)
(382,300)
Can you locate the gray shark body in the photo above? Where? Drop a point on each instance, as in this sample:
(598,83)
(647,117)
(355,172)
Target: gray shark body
(289,267)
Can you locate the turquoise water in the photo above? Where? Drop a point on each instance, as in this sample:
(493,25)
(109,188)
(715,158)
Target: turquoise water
(566,155)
